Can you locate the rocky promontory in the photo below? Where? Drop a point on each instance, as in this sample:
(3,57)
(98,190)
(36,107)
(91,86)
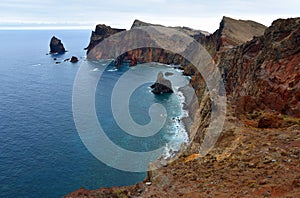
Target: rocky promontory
(101,32)
(141,55)
(231,33)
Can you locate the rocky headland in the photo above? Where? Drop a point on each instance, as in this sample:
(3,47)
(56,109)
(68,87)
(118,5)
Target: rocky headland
(101,32)
(258,151)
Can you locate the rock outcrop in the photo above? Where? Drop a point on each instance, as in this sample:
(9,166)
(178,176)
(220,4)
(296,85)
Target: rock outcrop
(101,32)
(56,46)
(264,73)
(231,33)
(74,59)
(162,85)
(142,55)
(189,31)
(261,75)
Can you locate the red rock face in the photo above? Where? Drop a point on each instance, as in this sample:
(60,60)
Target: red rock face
(264,73)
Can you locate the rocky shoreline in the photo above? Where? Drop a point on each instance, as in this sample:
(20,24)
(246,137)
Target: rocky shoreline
(258,151)
(182,123)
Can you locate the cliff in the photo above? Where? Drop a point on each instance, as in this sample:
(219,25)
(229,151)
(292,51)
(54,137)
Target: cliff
(264,73)
(258,151)
(261,76)
(196,34)
(101,32)
(142,55)
(231,33)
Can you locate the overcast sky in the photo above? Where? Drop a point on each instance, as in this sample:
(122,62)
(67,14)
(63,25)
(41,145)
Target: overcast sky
(198,14)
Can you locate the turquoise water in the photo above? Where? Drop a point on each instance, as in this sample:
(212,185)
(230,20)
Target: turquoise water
(41,153)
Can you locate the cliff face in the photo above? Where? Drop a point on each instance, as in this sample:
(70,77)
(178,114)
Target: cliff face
(236,32)
(261,75)
(264,73)
(101,32)
(141,55)
(230,34)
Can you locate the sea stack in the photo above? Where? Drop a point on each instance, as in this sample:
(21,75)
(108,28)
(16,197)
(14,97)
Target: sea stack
(74,59)
(56,46)
(161,85)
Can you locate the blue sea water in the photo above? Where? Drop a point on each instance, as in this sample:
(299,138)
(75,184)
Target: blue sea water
(41,153)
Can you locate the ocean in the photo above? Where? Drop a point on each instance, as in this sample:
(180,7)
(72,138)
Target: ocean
(41,153)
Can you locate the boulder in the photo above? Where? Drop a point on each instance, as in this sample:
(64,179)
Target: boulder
(161,85)
(269,121)
(56,46)
(74,59)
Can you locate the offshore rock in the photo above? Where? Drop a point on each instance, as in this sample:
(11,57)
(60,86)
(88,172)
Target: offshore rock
(161,85)
(56,46)
(74,59)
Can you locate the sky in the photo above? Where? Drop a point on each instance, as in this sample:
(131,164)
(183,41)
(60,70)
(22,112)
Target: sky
(85,14)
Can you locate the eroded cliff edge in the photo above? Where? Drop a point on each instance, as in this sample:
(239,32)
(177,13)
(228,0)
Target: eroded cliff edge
(258,152)
(225,37)
(261,76)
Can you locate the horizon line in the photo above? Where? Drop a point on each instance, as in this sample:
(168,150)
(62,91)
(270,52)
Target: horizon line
(73,27)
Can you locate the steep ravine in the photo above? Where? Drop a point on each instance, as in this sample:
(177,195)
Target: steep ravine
(258,152)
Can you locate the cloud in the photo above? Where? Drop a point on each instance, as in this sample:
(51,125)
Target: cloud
(197,14)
